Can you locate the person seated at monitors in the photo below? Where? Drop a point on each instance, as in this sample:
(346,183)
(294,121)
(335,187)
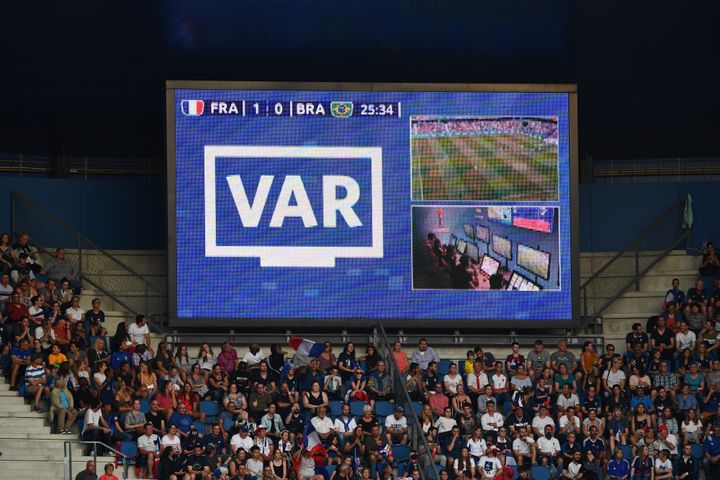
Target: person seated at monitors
(461,275)
(500,280)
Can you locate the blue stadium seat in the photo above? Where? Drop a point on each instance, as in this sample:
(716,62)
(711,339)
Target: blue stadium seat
(401,453)
(335,407)
(200,427)
(130,450)
(627,452)
(330,469)
(144,406)
(417,407)
(443,368)
(698,452)
(363,365)
(210,409)
(383,409)
(540,473)
(356,407)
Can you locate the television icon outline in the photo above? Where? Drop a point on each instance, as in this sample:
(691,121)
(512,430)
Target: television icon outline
(293,256)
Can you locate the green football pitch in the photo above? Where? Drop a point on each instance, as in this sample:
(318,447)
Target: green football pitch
(484,167)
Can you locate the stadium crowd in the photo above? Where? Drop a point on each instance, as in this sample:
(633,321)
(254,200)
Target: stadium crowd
(543,129)
(648,409)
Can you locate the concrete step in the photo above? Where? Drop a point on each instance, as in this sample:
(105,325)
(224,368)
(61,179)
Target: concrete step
(12,408)
(634,304)
(24,422)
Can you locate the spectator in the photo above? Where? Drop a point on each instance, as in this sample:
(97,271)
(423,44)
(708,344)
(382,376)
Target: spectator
(135,420)
(88,473)
(396,427)
(538,357)
(148,448)
(139,332)
(344,425)
(22,270)
(379,384)
(36,382)
(618,468)
(254,355)
(95,428)
(563,357)
(62,407)
(524,448)
(424,355)
(109,470)
(20,360)
(15,310)
(95,319)
(711,446)
(548,449)
(400,358)
(59,268)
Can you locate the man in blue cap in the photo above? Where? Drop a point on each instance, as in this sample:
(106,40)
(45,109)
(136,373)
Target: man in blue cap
(396,427)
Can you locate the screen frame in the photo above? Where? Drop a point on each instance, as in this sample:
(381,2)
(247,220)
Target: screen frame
(477,258)
(537,250)
(570,90)
(465,230)
(492,245)
(485,229)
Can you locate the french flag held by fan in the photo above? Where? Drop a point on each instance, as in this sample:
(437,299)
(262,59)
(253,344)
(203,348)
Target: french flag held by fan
(306,347)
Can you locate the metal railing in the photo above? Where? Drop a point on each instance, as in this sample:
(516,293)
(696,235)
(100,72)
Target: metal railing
(67,453)
(134,292)
(416,437)
(626,268)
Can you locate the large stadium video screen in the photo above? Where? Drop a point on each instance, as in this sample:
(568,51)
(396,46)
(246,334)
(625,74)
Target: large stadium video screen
(338,202)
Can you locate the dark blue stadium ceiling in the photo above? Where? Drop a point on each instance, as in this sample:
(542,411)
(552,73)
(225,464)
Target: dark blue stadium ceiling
(90,75)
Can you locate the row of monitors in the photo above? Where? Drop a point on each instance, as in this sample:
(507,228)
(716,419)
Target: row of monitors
(531,259)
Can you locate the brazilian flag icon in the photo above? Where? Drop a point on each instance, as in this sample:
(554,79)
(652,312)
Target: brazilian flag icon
(341,109)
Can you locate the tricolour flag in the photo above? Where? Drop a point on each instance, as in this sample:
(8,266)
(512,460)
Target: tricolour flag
(192,108)
(306,347)
(312,443)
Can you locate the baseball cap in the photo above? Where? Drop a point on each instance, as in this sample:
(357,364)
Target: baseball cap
(399,409)
(244,428)
(662,428)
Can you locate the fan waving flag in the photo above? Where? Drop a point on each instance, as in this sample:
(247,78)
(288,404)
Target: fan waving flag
(306,347)
(312,443)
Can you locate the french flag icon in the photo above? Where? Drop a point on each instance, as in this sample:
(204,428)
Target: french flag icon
(193,108)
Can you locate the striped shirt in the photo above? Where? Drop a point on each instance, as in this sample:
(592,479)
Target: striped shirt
(34,373)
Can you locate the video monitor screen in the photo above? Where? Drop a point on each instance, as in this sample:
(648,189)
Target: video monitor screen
(489,265)
(533,218)
(462,246)
(453,240)
(500,215)
(502,246)
(291,201)
(535,261)
(469,231)
(472,252)
(514,282)
(482,233)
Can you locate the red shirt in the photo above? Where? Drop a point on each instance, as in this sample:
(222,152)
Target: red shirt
(108,477)
(15,311)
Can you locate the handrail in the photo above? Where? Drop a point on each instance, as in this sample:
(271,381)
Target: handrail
(428,471)
(632,247)
(635,240)
(67,454)
(94,245)
(146,286)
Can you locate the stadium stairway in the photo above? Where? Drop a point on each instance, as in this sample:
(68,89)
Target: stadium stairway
(29,449)
(637,306)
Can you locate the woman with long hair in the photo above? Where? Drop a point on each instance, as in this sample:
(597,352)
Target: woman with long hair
(121,336)
(182,361)
(6,260)
(464,464)
(691,428)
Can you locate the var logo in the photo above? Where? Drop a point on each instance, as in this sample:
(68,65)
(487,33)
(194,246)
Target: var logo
(301,206)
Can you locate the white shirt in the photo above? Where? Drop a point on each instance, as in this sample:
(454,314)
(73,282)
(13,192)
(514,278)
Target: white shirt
(171,442)
(75,313)
(452,383)
(457,461)
(148,443)
(252,359)
(491,465)
(477,448)
(613,378)
(477,382)
(137,333)
(322,425)
(444,424)
(685,340)
(566,402)
(395,425)
(499,381)
(671,438)
(574,469)
(92,418)
(663,465)
(255,466)
(39,333)
(523,445)
(551,446)
(238,442)
(487,419)
(564,421)
(539,424)
(340,426)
